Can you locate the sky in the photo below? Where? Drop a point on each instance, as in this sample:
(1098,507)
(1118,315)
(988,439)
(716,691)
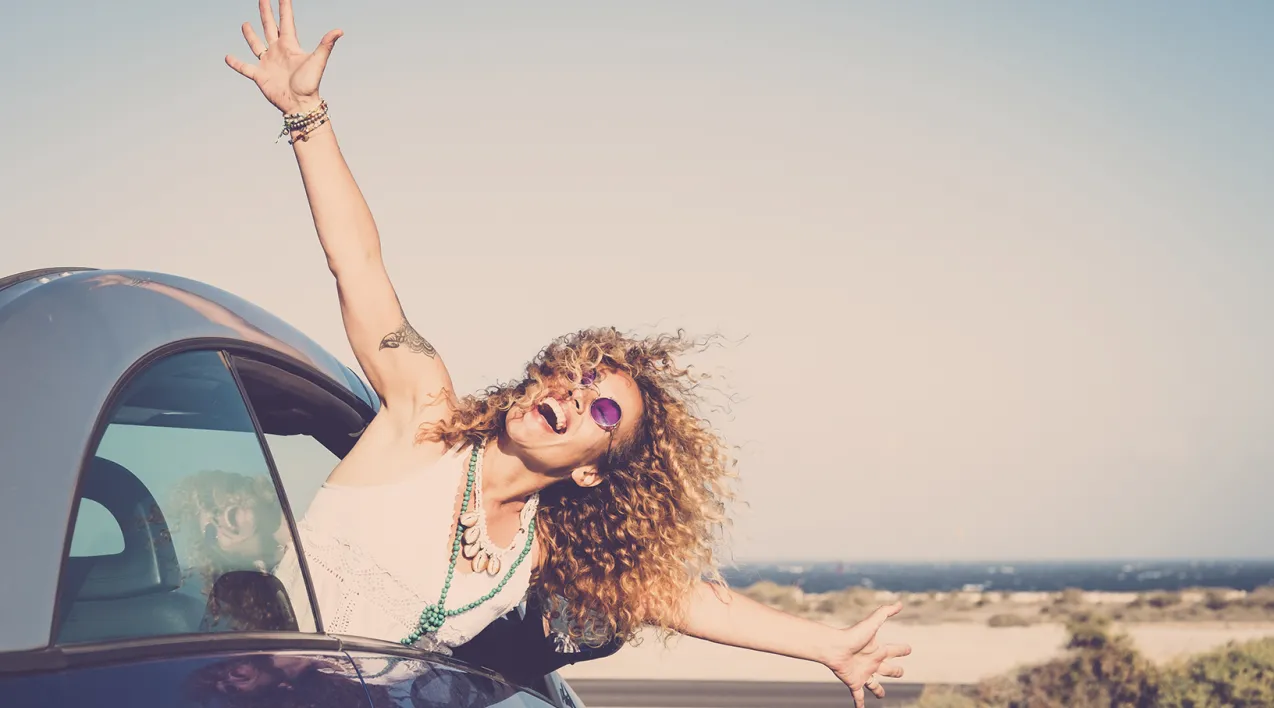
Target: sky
(993,276)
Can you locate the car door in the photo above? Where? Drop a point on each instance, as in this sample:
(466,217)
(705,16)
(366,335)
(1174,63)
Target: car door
(166,596)
(419,682)
(226,679)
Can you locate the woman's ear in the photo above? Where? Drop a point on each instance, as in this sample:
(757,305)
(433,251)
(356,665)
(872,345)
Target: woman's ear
(586,476)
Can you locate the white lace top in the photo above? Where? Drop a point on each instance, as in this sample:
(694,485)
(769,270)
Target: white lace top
(378,555)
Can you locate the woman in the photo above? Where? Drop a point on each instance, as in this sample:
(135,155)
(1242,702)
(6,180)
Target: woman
(591,483)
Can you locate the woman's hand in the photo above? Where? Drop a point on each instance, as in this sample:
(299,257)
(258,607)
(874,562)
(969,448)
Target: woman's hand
(859,658)
(728,617)
(287,76)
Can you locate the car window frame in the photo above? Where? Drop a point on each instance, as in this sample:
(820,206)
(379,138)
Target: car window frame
(349,398)
(55,656)
(225,351)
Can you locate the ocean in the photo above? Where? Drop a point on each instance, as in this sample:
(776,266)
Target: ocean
(1034,576)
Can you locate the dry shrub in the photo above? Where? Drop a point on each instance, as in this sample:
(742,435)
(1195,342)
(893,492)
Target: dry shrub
(784,597)
(850,602)
(1235,676)
(945,697)
(1008,619)
(1098,671)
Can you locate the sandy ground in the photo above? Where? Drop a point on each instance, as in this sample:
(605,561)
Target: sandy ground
(941,653)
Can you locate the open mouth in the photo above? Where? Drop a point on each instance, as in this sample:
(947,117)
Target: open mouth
(553,414)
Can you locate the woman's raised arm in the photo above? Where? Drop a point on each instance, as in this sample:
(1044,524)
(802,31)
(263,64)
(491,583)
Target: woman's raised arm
(401,365)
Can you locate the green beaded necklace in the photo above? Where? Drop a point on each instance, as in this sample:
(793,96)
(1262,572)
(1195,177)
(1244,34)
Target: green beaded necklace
(433,616)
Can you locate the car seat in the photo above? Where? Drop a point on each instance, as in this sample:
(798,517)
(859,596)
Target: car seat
(133,593)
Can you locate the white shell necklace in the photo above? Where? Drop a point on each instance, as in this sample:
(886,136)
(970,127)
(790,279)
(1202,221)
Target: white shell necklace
(476,544)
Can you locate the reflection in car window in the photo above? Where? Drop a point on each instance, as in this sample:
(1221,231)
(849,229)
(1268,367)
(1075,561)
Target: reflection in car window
(181,472)
(412,683)
(250,680)
(277,681)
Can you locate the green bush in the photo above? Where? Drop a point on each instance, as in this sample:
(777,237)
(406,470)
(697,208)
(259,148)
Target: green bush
(1104,670)
(1087,630)
(1236,676)
(1098,671)
(1110,676)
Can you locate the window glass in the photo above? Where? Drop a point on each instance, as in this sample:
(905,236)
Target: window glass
(101,535)
(303,464)
(307,429)
(181,472)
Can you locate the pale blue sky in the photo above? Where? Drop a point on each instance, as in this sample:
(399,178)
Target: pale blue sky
(1003,268)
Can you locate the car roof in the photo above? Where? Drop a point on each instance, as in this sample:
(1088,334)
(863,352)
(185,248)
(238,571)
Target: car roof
(67,337)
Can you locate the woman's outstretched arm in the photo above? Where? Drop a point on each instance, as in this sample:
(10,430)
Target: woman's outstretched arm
(723,616)
(401,365)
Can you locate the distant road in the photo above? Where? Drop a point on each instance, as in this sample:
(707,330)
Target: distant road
(604,693)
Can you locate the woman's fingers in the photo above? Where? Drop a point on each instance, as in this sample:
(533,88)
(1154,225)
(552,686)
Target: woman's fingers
(246,69)
(324,48)
(254,42)
(889,670)
(267,22)
(287,25)
(893,651)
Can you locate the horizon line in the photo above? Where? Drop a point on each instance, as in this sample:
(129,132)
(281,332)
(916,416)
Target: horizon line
(1004,561)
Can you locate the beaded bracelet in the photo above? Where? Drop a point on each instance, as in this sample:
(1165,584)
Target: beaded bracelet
(305,123)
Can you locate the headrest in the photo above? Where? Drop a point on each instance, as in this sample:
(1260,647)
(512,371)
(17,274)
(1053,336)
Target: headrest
(148,562)
(248,600)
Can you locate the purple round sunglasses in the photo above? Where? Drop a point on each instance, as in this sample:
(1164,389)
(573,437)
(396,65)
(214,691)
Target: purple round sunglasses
(605,411)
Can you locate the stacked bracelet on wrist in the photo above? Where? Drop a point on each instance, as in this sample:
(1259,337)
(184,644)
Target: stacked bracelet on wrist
(303,123)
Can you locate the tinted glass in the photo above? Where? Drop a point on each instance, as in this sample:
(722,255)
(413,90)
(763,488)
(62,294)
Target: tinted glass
(183,479)
(396,682)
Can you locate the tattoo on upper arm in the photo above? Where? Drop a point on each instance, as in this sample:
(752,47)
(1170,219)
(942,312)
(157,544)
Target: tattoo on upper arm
(407,336)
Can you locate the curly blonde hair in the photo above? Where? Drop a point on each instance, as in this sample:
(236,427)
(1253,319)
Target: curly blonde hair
(629,551)
(208,493)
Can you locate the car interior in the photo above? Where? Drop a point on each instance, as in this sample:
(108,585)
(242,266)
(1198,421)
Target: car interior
(136,592)
(111,596)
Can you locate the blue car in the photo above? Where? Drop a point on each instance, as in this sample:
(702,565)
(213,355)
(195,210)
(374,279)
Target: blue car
(159,439)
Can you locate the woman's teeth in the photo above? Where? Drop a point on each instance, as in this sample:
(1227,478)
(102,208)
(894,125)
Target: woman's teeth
(552,413)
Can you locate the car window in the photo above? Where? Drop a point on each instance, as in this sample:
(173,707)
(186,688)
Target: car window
(398,682)
(308,429)
(101,536)
(183,480)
